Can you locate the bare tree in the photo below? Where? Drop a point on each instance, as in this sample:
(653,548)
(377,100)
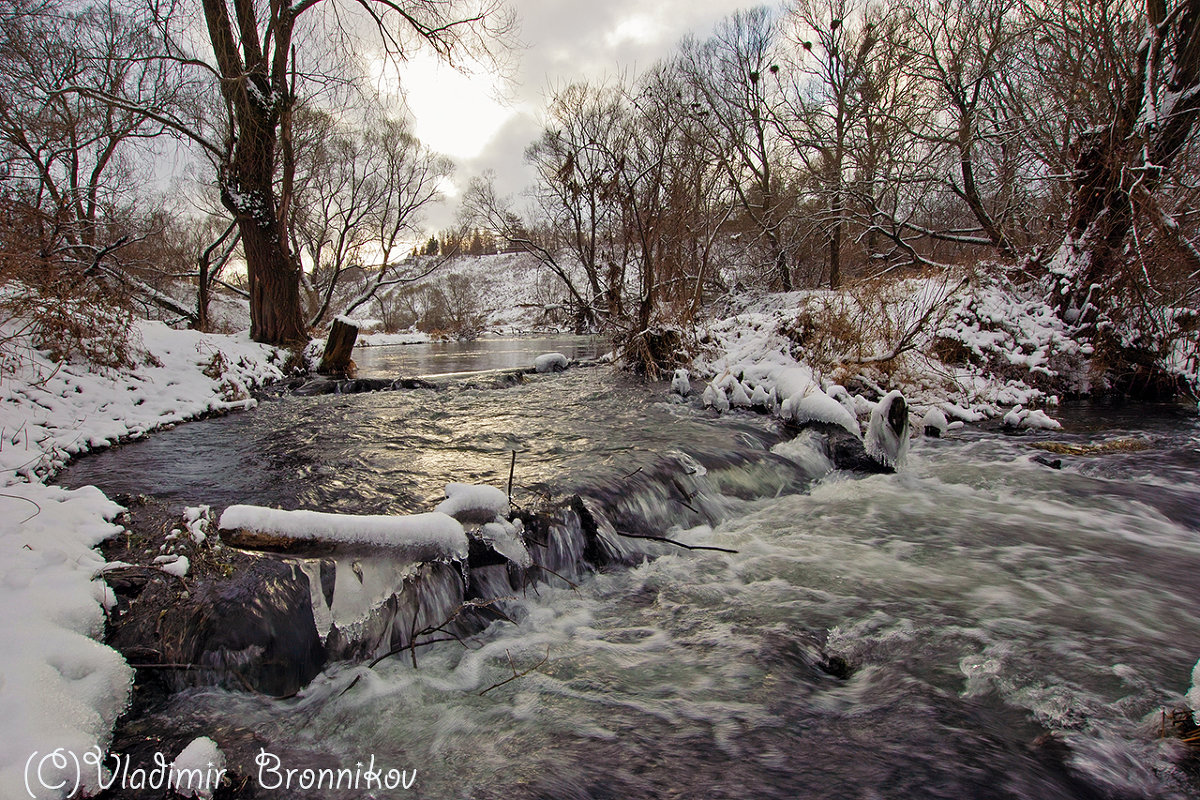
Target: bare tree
(358,195)
(730,75)
(821,103)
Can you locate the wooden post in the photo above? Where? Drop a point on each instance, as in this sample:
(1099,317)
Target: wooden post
(336,360)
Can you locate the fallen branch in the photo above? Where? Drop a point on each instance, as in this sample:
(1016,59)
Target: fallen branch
(413,644)
(676,543)
(516,674)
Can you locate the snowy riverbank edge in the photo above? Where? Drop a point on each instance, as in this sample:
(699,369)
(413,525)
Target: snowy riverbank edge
(965,350)
(60,687)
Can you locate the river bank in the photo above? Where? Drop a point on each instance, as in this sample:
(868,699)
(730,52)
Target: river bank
(61,688)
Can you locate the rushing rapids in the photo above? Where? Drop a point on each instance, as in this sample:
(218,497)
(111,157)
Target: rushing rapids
(978,624)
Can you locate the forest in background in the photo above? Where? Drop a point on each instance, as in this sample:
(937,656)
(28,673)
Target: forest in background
(823,143)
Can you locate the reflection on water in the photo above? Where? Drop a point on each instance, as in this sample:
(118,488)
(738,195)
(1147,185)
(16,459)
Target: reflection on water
(446,358)
(392,452)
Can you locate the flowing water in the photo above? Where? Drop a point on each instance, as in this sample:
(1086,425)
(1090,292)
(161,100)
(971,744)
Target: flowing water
(982,600)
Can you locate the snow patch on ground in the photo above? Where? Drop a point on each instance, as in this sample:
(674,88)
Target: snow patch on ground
(59,687)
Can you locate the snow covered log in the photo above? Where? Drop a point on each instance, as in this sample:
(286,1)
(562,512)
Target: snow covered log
(423,537)
(468,502)
(550,362)
(336,359)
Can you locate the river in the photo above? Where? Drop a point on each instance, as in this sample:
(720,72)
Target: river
(1011,630)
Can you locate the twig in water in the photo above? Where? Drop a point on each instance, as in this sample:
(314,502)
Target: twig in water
(413,644)
(573,586)
(516,674)
(678,544)
(512,468)
(630,475)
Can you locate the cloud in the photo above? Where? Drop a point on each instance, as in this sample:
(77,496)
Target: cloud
(567,41)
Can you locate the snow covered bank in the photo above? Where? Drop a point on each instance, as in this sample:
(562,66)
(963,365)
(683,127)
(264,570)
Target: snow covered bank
(970,349)
(59,687)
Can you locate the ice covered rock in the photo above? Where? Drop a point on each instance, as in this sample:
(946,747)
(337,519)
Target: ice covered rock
(1021,417)
(934,424)
(468,502)
(505,538)
(680,384)
(816,406)
(738,398)
(761,398)
(887,432)
(714,395)
(550,362)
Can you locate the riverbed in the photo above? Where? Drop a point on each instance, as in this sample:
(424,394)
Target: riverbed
(1008,629)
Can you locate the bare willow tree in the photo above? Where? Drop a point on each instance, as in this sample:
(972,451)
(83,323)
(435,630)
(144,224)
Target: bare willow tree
(731,76)
(263,57)
(359,190)
(578,158)
(821,104)
(76,229)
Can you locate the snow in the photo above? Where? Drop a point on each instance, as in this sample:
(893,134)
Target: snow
(430,536)
(467,502)
(59,687)
(1002,346)
(550,362)
(174,564)
(714,396)
(195,519)
(387,339)
(1193,695)
(505,539)
(680,384)
(195,767)
(738,398)
(816,406)
(934,422)
(1020,417)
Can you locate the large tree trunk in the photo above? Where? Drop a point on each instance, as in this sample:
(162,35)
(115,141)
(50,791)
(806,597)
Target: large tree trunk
(275,315)
(1158,114)
(257,91)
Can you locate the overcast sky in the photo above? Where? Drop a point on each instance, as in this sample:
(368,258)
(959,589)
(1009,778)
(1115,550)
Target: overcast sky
(567,40)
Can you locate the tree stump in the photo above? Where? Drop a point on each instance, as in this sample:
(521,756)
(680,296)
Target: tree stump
(336,359)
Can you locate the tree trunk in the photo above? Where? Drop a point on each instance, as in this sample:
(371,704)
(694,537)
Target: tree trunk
(835,241)
(275,315)
(256,89)
(336,360)
(1135,149)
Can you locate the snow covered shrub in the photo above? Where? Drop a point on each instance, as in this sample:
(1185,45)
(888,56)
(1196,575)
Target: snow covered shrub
(869,325)
(1012,334)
